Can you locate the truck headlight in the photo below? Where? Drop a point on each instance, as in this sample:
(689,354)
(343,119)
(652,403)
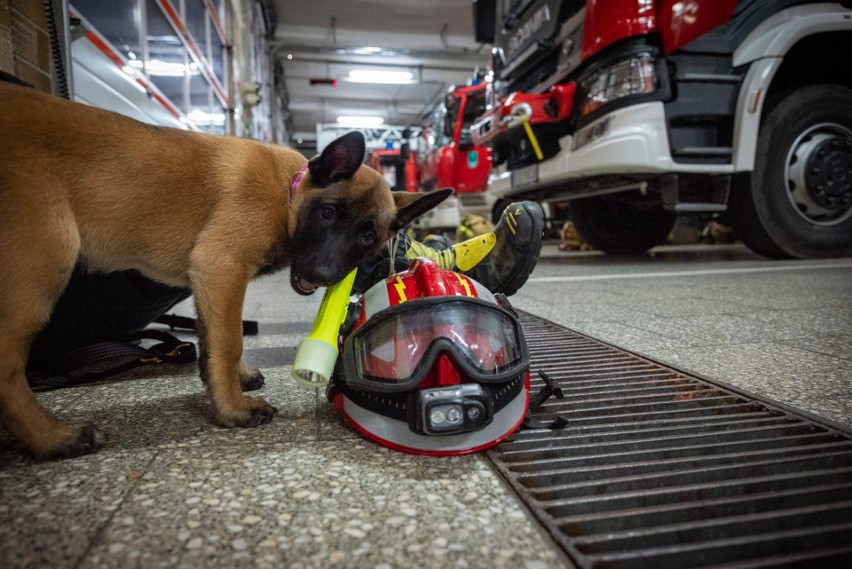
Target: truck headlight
(632,75)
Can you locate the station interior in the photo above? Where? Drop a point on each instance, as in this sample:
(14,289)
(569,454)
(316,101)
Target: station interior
(684,288)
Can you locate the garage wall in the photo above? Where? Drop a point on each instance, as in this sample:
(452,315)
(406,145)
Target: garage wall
(25,42)
(108,39)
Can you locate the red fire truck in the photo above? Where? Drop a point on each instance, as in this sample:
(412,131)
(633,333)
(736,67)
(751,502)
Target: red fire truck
(451,159)
(398,166)
(634,111)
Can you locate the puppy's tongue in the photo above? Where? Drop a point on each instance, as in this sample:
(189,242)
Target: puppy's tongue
(306,286)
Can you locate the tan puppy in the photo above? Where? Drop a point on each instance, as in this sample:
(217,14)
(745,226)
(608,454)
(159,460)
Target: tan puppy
(185,209)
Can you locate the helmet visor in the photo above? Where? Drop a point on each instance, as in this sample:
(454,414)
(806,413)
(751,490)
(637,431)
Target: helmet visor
(399,347)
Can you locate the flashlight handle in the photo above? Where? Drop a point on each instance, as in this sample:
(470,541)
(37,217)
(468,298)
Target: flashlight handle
(317,352)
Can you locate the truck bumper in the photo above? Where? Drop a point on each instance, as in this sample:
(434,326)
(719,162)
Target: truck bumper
(629,141)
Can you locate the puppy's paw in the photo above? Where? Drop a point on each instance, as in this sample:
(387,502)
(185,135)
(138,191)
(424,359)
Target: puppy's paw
(84,440)
(251,379)
(250,412)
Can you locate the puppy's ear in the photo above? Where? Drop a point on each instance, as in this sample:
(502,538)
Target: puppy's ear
(339,161)
(411,205)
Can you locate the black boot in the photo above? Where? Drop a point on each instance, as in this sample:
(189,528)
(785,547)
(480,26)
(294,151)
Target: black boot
(507,264)
(501,260)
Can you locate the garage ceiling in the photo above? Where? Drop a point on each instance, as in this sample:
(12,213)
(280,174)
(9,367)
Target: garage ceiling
(431,39)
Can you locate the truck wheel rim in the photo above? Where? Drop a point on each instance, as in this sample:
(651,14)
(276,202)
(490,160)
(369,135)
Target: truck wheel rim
(819,174)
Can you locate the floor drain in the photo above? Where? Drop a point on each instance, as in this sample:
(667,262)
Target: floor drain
(659,468)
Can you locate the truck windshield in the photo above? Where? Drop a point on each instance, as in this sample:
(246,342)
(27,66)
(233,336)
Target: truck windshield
(474,108)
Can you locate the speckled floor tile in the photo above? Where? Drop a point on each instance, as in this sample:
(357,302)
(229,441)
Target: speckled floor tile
(632,338)
(332,427)
(176,412)
(57,402)
(710,330)
(51,511)
(567,310)
(821,322)
(796,377)
(344,504)
(281,341)
(837,346)
(661,305)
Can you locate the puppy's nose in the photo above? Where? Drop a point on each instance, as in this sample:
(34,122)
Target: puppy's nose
(325,274)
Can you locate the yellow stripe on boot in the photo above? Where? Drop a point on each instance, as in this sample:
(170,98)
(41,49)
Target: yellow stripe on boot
(469,253)
(462,256)
(444,257)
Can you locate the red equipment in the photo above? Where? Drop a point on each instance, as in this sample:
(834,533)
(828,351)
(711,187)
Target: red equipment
(635,111)
(398,166)
(451,159)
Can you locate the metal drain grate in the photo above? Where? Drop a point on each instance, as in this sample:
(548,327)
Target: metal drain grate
(658,468)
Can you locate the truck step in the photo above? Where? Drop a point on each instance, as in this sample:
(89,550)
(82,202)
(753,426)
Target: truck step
(700,207)
(704,151)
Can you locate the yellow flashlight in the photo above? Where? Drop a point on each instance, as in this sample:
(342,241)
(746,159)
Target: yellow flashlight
(317,352)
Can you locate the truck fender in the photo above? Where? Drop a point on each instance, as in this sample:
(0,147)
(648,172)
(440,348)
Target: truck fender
(764,48)
(780,32)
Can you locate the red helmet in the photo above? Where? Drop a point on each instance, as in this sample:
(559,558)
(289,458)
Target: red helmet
(435,364)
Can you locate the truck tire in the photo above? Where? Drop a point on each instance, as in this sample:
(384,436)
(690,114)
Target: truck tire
(621,225)
(797,203)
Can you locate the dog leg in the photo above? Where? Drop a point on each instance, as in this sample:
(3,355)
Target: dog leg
(219,292)
(37,257)
(250,378)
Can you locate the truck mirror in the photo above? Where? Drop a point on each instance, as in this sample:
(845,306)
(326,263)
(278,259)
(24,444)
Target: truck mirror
(484,12)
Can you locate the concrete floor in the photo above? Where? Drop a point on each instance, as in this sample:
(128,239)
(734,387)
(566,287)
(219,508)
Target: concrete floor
(172,490)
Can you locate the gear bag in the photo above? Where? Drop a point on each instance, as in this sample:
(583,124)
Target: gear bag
(97,323)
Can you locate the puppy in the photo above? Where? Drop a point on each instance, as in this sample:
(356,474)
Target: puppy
(186,209)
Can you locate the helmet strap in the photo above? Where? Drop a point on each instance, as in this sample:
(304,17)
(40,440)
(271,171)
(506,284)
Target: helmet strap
(393,243)
(550,389)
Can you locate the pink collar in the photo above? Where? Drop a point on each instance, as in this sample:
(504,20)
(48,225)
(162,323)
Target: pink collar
(296,179)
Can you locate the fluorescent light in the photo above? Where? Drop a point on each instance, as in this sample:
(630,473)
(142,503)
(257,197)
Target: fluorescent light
(200,117)
(372,76)
(367,50)
(362,122)
(166,69)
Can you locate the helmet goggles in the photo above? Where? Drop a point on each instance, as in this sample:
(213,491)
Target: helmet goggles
(397,347)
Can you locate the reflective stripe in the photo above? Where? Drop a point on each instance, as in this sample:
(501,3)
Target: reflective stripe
(375,299)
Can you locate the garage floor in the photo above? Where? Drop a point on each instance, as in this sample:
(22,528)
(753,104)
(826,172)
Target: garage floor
(170,489)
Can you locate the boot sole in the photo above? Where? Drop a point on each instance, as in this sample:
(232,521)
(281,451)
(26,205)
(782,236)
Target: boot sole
(526,268)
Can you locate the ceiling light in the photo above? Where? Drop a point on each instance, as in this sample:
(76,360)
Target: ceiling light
(367,50)
(200,117)
(360,122)
(165,68)
(372,76)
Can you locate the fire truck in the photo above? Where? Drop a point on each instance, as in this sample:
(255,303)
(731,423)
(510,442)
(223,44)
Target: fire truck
(451,159)
(398,166)
(636,111)
(448,158)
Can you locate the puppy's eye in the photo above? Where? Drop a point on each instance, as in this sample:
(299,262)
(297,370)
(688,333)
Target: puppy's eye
(327,212)
(368,238)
